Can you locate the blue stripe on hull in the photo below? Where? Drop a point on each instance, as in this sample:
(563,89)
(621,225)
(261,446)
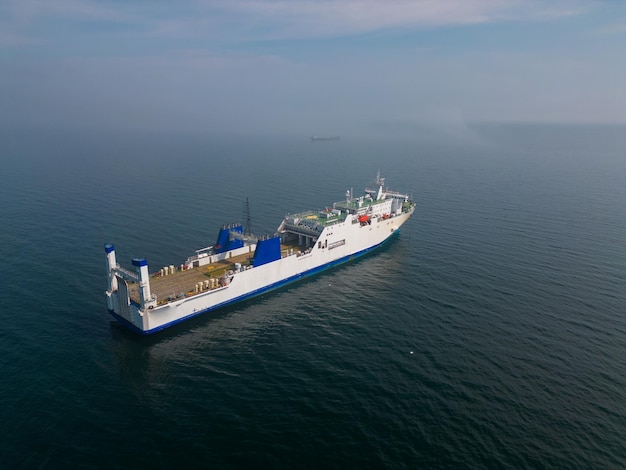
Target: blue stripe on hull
(128,324)
(249,295)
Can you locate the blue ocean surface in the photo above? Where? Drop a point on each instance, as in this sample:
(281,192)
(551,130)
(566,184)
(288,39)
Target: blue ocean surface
(491,333)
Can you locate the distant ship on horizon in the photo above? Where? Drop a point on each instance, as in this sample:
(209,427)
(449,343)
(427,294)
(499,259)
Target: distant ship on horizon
(317,137)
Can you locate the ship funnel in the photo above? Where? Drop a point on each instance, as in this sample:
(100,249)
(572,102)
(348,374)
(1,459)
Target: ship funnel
(225,242)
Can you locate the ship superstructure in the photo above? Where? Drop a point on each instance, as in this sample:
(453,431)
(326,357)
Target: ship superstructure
(240,266)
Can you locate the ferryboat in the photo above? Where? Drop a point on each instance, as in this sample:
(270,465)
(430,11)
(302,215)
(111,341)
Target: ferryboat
(240,266)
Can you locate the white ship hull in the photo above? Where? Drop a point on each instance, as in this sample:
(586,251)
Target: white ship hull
(335,244)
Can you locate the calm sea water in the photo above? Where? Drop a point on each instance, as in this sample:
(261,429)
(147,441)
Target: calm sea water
(490,334)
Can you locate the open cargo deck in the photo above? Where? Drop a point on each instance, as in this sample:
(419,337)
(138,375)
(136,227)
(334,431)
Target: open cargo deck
(182,283)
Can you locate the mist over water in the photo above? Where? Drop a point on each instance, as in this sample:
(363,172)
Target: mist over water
(490,333)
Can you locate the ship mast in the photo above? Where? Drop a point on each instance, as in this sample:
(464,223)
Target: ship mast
(379,181)
(247,228)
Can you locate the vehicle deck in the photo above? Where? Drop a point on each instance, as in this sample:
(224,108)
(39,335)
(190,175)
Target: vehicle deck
(182,283)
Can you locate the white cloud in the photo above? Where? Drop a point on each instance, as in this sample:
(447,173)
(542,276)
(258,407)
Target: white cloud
(194,83)
(28,10)
(249,20)
(280,19)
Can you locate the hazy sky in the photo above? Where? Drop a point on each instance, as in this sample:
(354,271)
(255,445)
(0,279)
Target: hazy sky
(309,66)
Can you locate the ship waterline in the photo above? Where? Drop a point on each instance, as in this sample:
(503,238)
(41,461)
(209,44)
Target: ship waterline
(240,266)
